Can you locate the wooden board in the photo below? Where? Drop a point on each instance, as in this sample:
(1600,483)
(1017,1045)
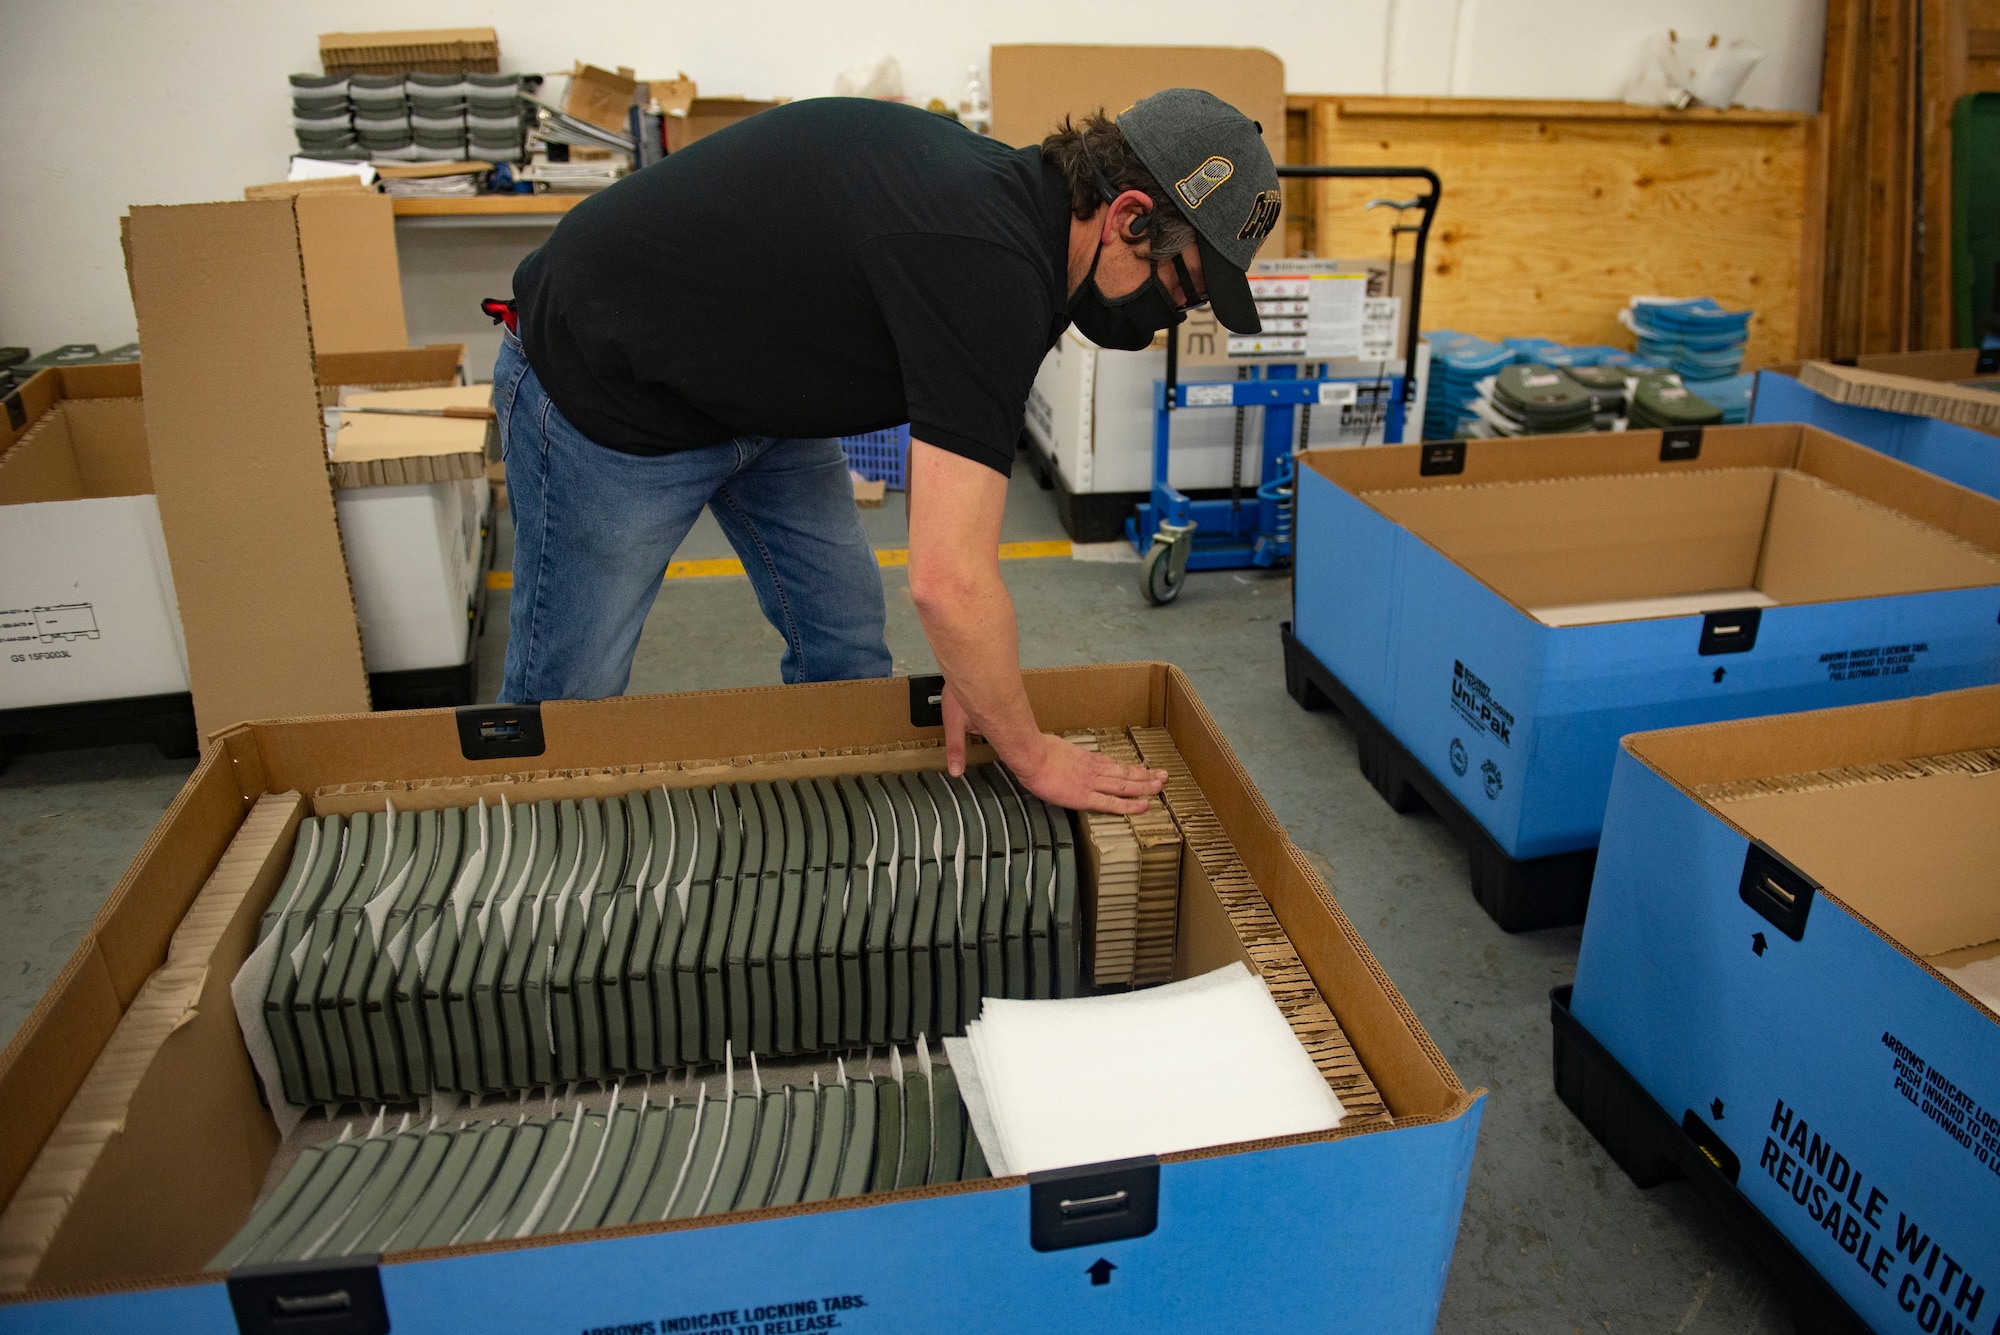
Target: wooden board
(1556,213)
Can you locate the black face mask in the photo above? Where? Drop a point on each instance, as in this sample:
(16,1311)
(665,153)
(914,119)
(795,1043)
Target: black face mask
(1126,323)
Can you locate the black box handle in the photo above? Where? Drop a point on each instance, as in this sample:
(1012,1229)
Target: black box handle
(1092,1204)
(342,1297)
(500,732)
(1679,444)
(927,701)
(1776,889)
(17,412)
(1441,458)
(1730,632)
(1988,362)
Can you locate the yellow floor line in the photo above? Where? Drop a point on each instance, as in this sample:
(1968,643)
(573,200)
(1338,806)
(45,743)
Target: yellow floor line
(884,556)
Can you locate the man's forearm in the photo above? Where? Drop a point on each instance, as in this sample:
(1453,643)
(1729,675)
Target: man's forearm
(970,624)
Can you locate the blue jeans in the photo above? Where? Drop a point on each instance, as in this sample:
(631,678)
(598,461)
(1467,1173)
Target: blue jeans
(594,529)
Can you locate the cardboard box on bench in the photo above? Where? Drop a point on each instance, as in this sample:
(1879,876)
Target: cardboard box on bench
(1955,452)
(1412,588)
(87,608)
(1855,1087)
(1355,1226)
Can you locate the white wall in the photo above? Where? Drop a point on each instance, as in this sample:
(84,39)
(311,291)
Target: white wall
(108,103)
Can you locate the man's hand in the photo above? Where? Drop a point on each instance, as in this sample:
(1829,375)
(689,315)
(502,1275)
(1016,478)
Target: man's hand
(955,510)
(1061,772)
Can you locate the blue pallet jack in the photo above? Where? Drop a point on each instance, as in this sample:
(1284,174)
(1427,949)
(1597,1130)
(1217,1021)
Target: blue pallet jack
(1175,533)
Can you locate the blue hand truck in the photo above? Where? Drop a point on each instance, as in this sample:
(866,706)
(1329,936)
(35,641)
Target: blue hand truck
(1175,533)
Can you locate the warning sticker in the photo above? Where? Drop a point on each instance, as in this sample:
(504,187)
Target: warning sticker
(1884,660)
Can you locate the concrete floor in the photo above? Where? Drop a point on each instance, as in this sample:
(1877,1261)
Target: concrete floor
(1554,1236)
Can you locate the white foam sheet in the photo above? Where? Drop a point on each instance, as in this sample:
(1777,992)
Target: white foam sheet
(1206,1061)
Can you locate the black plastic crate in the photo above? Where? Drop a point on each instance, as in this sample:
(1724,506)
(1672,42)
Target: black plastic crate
(1645,1140)
(1520,894)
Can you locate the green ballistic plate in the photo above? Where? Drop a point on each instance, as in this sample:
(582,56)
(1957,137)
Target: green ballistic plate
(639,1168)
(736,950)
(279,1022)
(857,1155)
(678,822)
(971,897)
(303,1001)
(888,1134)
(915,1167)
(432,1149)
(549,1156)
(947,1138)
(829,1138)
(502,989)
(1041,891)
(641,965)
(593,1054)
(613,982)
(501,851)
(378,996)
(701,1163)
(1068,931)
(855,898)
(576,1175)
(304,850)
(498,1202)
(763,990)
(944,934)
(693,948)
(341,1059)
(375,1073)
(878,988)
(612,1164)
(762,1173)
(673,1158)
(464,1200)
(408,992)
(993,903)
(738,1141)
(832,911)
(265,1217)
(785,939)
(812,913)
(923,928)
(571,935)
(796,1162)
(721,921)
(482,1003)
(368,1205)
(904,881)
(437,1194)
(545,930)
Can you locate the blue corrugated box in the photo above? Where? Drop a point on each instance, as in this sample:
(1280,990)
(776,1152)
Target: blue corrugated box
(1956,453)
(1754,570)
(1783,913)
(1347,1230)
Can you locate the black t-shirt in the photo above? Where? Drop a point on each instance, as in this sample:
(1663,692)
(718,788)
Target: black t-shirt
(825,268)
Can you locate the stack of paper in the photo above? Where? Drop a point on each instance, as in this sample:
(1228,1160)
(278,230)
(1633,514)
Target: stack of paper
(1209,1061)
(509,946)
(635,1162)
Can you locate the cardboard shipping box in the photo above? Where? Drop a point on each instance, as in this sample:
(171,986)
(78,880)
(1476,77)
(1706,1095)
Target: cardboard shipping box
(1954,450)
(1793,946)
(173,1159)
(1508,609)
(87,606)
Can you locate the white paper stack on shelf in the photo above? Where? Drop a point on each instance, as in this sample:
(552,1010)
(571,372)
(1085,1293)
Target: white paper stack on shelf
(1208,1061)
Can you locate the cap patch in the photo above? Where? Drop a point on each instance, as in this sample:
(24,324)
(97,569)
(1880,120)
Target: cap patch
(1263,215)
(1198,184)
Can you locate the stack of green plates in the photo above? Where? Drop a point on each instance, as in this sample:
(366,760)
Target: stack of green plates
(504,947)
(1543,400)
(1661,401)
(1607,391)
(631,1163)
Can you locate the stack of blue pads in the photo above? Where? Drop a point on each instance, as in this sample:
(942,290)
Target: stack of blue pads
(1458,363)
(1696,337)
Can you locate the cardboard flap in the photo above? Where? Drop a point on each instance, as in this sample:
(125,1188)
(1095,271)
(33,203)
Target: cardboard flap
(1593,539)
(1913,855)
(353,285)
(1823,543)
(1034,87)
(239,463)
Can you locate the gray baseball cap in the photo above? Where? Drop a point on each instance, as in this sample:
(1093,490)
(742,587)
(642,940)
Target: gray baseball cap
(1211,158)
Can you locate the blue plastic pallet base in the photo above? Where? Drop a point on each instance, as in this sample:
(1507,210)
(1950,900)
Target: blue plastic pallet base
(1520,894)
(1644,1139)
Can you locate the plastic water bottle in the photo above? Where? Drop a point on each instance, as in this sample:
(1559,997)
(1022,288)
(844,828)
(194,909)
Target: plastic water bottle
(974,111)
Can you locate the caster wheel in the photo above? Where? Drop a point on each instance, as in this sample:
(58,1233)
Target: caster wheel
(1159,580)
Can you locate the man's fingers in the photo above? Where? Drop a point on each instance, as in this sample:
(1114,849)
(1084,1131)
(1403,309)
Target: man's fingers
(1116,806)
